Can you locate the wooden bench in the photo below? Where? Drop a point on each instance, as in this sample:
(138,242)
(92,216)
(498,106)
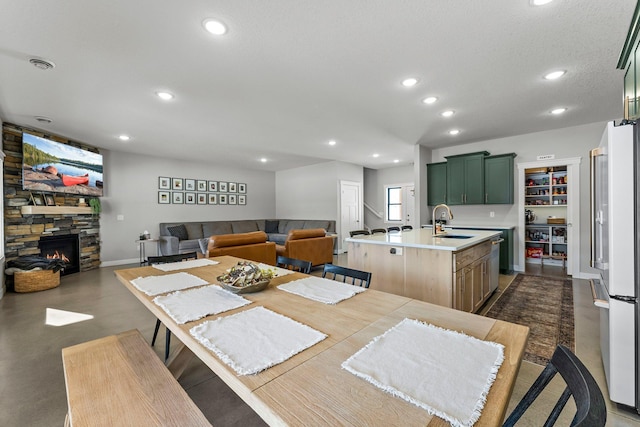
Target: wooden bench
(119,380)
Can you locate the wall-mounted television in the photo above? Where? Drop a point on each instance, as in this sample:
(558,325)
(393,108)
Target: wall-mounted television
(51,166)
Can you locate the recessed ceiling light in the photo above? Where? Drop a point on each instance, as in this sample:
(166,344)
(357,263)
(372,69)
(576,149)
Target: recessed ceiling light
(42,64)
(263,160)
(376,155)
(43,119)
(332,142)
(447,113)
(558,111)
(124,137)
(555,75)
(165,95)
(540,2)
(215,27)
(454,132)
(410,82)
(396,161)
(430,100)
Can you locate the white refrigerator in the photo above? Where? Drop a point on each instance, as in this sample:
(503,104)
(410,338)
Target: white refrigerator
(614,252)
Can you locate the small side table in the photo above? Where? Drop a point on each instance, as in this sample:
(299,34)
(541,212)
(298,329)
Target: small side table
(141,246)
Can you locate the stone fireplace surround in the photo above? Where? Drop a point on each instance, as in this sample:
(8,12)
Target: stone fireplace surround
(22,230)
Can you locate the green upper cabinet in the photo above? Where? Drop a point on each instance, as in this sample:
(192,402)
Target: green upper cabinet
(465,179)
(498,179)
(436,183)
(629,61)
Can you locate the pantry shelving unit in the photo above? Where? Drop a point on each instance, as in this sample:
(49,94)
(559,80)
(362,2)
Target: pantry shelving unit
(546,192)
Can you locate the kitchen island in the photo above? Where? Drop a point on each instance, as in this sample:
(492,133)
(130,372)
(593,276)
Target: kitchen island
(452,270)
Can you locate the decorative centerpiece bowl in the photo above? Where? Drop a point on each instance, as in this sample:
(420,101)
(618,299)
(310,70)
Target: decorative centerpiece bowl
(245,277)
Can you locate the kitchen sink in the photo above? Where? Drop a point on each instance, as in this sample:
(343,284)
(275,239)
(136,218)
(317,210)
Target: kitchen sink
(455,236)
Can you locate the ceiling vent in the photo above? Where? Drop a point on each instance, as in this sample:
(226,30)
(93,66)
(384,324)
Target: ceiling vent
(43,119)
(42,64)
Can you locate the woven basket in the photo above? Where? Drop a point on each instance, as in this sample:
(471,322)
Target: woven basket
(32,281)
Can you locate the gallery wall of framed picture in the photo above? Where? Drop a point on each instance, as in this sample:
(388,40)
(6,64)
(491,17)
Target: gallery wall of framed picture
(187,191)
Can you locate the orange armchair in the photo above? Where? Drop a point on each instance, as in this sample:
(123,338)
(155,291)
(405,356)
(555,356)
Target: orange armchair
(311,244)
(252,246)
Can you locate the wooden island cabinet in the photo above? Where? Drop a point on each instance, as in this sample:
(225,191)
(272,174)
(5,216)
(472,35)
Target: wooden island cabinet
(454,270)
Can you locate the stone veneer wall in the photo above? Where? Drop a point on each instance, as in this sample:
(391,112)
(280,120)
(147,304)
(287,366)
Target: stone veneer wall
(22,232)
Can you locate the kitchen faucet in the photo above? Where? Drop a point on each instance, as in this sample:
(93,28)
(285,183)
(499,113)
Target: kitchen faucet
(438,230)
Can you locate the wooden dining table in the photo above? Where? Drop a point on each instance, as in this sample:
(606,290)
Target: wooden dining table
(311,388)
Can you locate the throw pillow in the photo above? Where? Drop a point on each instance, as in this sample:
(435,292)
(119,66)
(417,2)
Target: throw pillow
(204,246)
(271,226)
(179,231)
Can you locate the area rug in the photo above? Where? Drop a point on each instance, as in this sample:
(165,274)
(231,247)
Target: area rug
(545,305)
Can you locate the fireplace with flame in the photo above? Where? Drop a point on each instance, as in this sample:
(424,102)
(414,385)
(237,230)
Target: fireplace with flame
(65,247)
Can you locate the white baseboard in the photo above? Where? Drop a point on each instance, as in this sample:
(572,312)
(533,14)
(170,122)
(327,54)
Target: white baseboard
(120,262)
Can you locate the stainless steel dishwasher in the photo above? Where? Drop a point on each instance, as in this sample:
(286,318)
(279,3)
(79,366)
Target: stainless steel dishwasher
(495,262)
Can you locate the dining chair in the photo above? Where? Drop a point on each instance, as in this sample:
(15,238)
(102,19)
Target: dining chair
(406,228)
(378,231)
(358,277)
(590,406)
(359,232)
(390,229)
(294,264)
(164,259)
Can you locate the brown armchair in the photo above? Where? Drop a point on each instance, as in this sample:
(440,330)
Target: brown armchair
(310,244)
(252,246)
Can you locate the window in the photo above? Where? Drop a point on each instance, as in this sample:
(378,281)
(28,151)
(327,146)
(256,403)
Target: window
(394,204)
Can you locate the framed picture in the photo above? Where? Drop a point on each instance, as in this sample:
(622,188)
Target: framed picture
(242,199)
(37,199)
(242,188)
(164,183)
(213,185)
(213,199)
(233,199)
(190,198)
(49,200)
(177,184)
(190,184)
(233,187)
(177,197)
(222,187)
(202,199)
(202,185)
(163,197)
(222,200)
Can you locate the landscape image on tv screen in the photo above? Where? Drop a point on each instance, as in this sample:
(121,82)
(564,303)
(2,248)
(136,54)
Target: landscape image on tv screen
(51,166)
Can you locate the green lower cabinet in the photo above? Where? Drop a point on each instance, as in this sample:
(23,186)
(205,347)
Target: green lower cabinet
(498,179)
(436,183)
(506,252)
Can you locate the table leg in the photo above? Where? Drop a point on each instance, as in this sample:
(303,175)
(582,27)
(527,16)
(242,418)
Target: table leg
(143,255)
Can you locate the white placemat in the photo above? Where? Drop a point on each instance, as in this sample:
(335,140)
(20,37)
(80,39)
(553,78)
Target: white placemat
(156,285)
(187,306)
(278,270)
(321,289)
(256,339)
(183,265)
(445,372)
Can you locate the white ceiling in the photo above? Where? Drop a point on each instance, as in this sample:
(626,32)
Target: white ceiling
(292,74)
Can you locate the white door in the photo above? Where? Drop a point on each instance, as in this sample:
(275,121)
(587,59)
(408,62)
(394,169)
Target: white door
(409,205)
(350,209)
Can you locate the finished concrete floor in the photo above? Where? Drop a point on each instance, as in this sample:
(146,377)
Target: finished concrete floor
(32,389)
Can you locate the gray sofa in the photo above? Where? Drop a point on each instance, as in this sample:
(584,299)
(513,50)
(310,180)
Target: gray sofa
(197,233)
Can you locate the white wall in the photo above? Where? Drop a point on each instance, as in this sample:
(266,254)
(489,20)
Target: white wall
(131,189)
(374,183)
(570,142)
(313,192)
